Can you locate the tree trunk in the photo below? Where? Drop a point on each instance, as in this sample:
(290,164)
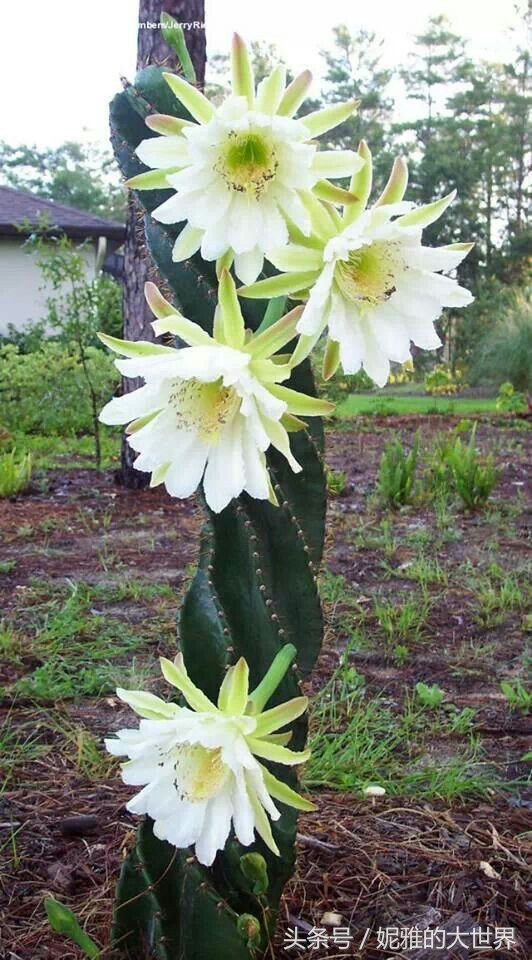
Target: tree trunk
(151,48)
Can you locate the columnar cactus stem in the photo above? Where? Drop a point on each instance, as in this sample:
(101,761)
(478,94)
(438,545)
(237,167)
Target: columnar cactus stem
(253,592)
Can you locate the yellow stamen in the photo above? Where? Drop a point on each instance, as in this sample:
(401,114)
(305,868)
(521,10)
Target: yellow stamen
(369,274)
(248,163)
(204,408)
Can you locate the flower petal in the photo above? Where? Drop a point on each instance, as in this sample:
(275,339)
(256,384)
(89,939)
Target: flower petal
(281,791)
(176,674)
(320,121)
(336,163)
(201,109)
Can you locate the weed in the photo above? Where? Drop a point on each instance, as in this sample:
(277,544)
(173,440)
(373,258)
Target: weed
(401,621)
(336,482)
(397,473)
(401,654)
(15,473)
(6,566)
(429,696)
(473,477)
(25,531)
(496,599)
(333,586)
(425,570)
(461,721)
(518,697)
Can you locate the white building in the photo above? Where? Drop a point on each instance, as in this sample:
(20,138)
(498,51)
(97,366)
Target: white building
(22,296)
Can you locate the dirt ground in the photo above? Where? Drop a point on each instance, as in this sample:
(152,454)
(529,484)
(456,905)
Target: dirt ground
(397,862)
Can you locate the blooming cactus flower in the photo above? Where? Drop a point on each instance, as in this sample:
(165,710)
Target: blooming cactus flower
(243,171)
(211,409)
(371,281)
(200,765)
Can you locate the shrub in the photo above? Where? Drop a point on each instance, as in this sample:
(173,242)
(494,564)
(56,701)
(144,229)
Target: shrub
(442,381)
(505,353)
(15,474)
(46,391)
(397,472)
(510,400)
(473,477)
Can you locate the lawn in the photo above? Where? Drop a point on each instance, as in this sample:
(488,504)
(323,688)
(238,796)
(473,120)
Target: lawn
(384,404)
(426,615)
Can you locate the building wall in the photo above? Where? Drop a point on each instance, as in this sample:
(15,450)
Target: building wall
(22,297)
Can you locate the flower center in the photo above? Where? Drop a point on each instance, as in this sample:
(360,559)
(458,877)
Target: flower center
(199,772)
(369,274)
(248,162)
(204,408)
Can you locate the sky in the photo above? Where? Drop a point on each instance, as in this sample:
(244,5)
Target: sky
(74,58)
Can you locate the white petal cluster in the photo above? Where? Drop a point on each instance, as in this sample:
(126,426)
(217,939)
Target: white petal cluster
(240,178)
(379,290)
(242,171)
(198,767)
(209,411)
(366,277)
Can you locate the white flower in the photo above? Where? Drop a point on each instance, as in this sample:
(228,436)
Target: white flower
(199,768)
(211,409)
(244,169)
(371,281)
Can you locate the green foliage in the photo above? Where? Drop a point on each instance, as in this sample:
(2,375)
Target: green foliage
(474,477)
(62,920)
(15,473)
(397,472)
(60,385)
(336,482)
(429,696)
(504,353)
(45,391)
(83,176)
(254,590)
(510,400)
(354,70)
(390,404)
(518,697)
(442,381)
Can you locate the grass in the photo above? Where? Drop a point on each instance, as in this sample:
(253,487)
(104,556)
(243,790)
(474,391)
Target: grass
(67,453)
(389,405)
(402,621)
(83,651)
(356,742)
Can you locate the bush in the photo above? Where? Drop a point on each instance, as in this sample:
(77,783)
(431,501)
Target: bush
(505,352)
(397,472)
(15,475)
(46,391)
(510,400)
(442,381)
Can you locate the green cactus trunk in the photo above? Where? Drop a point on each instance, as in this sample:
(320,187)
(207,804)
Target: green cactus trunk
(254,590)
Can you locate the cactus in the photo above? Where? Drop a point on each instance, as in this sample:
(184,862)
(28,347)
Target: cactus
(254,590)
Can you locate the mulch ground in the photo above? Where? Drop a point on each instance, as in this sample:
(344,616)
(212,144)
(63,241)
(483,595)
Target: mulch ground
(361,865)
